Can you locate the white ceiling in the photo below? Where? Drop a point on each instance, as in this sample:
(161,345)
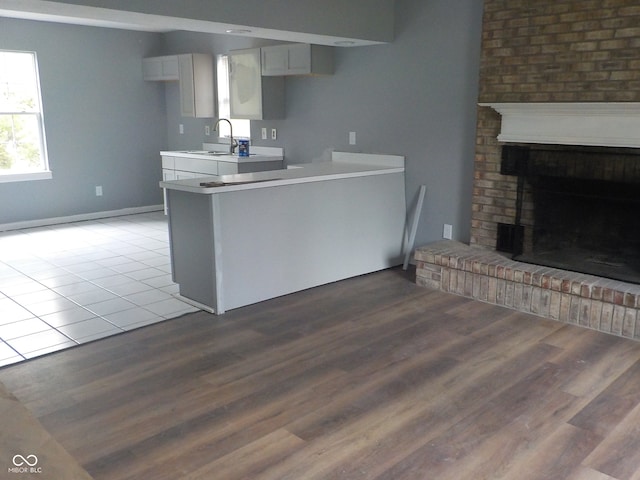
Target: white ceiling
(101,17)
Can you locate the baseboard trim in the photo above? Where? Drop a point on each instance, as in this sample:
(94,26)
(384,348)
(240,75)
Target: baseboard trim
(4,227)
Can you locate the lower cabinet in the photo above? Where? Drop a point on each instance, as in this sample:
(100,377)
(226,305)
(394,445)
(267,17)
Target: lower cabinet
(180,168)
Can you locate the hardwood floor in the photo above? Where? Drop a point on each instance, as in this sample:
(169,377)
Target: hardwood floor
(369,378)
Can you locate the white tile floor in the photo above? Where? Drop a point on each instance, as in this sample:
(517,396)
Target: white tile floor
(64,285)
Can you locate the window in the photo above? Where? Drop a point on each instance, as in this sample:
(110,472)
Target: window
(241,128)
(22,147)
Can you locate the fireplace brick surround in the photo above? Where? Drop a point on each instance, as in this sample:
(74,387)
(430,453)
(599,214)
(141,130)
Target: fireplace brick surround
(540,51)
(545,51)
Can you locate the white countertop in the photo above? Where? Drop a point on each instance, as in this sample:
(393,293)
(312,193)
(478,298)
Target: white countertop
(220,153)
(342,165)
(220,156)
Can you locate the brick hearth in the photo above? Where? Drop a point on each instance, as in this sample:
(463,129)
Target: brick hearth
(601,304)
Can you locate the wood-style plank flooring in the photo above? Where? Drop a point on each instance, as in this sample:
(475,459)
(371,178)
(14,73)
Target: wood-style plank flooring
(369,378)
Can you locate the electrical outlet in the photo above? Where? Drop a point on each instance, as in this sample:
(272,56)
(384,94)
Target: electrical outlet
(274,134)
(264,133)
(352,138)
(207,130)
(181,129)
(447,231)
(98,190)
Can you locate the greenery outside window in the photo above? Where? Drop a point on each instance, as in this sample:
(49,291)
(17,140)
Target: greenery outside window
(23,153)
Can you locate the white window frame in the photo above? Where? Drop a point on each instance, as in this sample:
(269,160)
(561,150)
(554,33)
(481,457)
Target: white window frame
(45,173)
(241,127)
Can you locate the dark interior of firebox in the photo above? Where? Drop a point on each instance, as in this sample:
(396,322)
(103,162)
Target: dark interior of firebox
(584,209)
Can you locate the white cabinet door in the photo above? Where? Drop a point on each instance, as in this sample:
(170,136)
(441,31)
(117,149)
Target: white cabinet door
(187,87)
(168,163)
(251,95)
(187,167)
(275,60)
(196,86)
(160,68)
(297,59)
(245,84)
(194,71)
(181,175)
(199,166)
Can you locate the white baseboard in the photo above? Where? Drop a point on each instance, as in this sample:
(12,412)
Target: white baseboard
(78,218)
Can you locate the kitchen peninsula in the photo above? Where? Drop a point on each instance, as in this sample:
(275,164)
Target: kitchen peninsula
(244,238)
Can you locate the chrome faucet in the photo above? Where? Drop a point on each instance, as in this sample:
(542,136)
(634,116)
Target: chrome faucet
(232,143)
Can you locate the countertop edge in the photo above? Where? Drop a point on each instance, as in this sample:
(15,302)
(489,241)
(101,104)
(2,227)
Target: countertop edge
(275,182)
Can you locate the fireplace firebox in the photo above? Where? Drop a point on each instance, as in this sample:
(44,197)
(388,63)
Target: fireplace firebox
(577,208)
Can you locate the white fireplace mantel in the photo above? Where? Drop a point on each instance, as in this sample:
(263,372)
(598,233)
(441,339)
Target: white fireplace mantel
(604,124)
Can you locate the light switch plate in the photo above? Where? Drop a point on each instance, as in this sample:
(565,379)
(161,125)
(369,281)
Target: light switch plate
(264,133)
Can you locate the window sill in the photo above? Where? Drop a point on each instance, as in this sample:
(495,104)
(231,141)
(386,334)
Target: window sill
(25,177)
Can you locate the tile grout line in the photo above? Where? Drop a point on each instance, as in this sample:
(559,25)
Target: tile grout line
(137,232)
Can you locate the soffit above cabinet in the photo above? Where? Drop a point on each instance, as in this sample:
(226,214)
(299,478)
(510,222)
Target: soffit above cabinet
(334,22)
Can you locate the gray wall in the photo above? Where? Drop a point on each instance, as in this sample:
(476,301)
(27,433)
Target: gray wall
(414,97)
(104,124)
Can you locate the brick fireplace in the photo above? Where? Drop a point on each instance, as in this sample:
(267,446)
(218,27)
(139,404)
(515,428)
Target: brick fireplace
(541,53)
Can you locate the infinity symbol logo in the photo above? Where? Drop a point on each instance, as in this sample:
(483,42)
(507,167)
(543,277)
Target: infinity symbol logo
(19,460)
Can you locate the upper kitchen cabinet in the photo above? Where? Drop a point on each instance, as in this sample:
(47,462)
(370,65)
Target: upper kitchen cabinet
(161,68)
(253,96)
(194,71)
(297,59)
(196,85)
